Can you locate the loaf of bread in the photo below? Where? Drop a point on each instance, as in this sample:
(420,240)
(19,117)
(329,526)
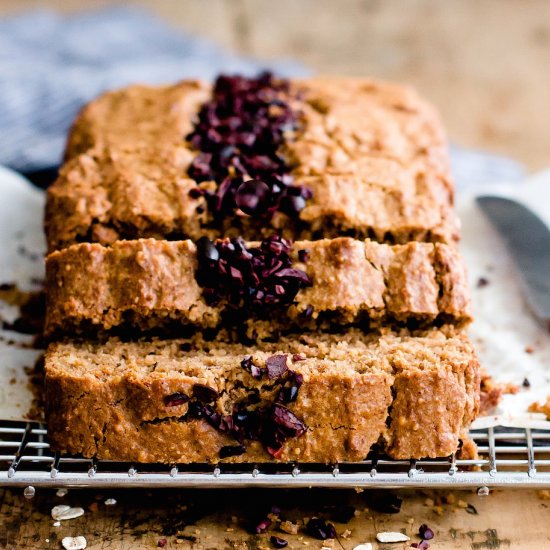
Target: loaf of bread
(257,270)
(313,398)
(151,284)
(372,155)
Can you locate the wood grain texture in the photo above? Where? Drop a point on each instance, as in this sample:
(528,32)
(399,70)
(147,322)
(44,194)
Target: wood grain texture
(485,65)
(221,520)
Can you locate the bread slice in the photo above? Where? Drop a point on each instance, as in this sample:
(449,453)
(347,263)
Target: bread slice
(373,154)
(153,284)
(177,401)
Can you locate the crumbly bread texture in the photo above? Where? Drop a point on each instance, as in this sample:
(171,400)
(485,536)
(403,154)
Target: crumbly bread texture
(374,155)
(412,395)
(150,284)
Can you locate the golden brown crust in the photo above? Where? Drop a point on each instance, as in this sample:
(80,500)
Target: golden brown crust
(120,414)
(374,155)
(151,283)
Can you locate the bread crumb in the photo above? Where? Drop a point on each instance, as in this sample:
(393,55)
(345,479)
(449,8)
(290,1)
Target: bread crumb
(438,510)
(462,504)
(429,502)
(289,527)
(346,534)
(538,408)
(544,494)
(449,499)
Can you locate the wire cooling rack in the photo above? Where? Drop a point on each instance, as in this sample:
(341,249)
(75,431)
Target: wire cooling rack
(509,457)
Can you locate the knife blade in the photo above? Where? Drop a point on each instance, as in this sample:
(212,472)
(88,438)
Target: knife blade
(528,240)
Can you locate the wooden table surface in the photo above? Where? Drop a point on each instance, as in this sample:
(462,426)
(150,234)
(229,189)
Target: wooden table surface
(485,64)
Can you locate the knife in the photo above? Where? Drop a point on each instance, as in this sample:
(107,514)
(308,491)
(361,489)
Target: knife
(528,240)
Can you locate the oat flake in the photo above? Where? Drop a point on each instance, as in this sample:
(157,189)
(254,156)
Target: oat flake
(391,536)
(74,543)
(64,512)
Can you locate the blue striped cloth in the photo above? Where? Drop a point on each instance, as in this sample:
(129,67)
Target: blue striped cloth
(51,65)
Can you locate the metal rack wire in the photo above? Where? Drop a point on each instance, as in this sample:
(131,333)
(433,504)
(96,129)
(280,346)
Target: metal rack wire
(509,457)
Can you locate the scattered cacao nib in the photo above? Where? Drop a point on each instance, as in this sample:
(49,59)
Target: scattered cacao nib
(320,529)
(262,526)
(298,357)
(383,502)
(482,282)
(232,450)
(422,545)
(278,542)
(176,399)
(32,311)
(249,277)
(238,135)
(7,286)
(276,366)
(471,509)
(425,533)
(204,393)
(343,513)
(526,383)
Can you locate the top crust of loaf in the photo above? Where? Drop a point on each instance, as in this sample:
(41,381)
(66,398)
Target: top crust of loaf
(374,155)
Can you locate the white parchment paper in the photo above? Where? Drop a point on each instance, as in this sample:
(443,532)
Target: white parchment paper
(503,330)
(22,247)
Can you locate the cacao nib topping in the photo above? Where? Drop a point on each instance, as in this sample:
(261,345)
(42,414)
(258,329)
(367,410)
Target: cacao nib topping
(252,197)
(289,392)
(204,393)
(238,135)
(288,421)
(303,255)
(276,366)
(250,277)
(176,399)
(255,371)
(321,529)
(273,424)
(278,542)
(232,450)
